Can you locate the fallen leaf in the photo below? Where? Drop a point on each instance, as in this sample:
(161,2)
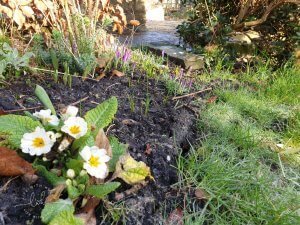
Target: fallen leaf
(101,141)
(19,18)
(131,171)
(102,75)
(11,164)
(117,73)
(212,99)
(134,22)
(201,194)
(148,150)
(87,213)
(55,193)
(175,217)
(2,112)
(130,122)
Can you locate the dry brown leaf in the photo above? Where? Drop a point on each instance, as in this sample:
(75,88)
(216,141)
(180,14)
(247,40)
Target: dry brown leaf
(2,112)
(55,193)
(24,2)
(102,75)
(6,10)
(130,122)
(11,164)
(176,217)
(40,5)
(87,213)
(27,11)
(19,18)
(134,23)
(212,99)
(148,150)
(201,194)
(102,141)
(12,4)
(117,73)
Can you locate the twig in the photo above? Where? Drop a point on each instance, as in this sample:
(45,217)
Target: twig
(20,110)
(192,94)
(5,186)
(93,102)
(81,100)
(111,86)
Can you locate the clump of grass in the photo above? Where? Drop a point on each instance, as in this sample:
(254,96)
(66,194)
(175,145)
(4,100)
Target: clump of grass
(248,177)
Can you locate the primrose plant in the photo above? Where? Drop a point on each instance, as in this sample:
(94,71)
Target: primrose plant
(74,154)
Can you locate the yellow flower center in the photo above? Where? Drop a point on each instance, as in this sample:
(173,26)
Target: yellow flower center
(94,161)
(38,142)
(75,129)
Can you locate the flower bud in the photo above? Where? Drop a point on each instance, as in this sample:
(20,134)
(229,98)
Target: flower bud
(68,182)
(71,173)
(82,173)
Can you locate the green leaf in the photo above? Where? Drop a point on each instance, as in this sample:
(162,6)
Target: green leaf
(66,218)
(86,140)
(100,191)
(51,209)
(102,115)
(49,176)
(44,98)
(118,149)
(15,126)
(73,192)
(75,164)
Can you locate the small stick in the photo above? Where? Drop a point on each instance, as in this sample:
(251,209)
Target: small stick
(192,94)
(20,110)
(81,100)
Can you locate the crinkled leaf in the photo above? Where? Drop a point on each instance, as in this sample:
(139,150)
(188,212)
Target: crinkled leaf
(101,190)
(51,210)
(66,217)
(102,115)
(49,176)
(118,149)
(132,171)
(13,127)
(44,98)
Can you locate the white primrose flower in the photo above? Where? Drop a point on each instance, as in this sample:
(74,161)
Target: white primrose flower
(71,111)
(95,161)
(46,117)
(75,127)
(37,142)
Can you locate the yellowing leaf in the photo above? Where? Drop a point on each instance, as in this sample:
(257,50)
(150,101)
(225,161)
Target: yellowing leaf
(132,171)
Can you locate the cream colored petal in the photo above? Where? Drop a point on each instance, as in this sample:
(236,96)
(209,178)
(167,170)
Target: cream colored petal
(86,153)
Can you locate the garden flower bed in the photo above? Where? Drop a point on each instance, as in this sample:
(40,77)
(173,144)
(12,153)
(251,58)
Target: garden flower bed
(146,120)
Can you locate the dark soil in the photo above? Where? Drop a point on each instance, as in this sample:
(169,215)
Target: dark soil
(165,130)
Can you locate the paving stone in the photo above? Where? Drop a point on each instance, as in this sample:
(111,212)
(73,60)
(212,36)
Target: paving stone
(179,56)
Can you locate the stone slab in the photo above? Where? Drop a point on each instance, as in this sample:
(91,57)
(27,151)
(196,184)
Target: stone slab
(179,56)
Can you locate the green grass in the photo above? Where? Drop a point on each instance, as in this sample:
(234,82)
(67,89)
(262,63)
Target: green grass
(249,179)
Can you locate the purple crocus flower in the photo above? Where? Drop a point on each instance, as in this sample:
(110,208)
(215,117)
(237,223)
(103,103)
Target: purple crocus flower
(126,55)
(163,53)
(118,54)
